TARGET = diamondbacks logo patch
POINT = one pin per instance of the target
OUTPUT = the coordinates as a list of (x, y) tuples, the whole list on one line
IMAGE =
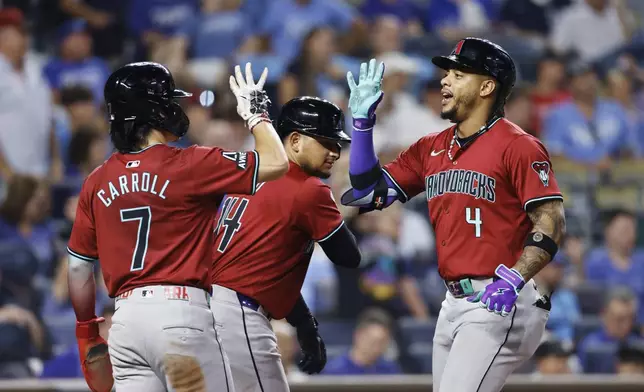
[(238, 157), (543, 171)]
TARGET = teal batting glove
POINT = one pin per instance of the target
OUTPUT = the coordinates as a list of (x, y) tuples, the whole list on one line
[(366, 95)]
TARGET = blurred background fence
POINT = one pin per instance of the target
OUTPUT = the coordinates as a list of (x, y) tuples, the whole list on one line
[(580, 90)]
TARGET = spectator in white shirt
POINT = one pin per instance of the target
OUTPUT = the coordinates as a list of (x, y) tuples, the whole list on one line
[(27, 142), (592, 29), (402, 119)]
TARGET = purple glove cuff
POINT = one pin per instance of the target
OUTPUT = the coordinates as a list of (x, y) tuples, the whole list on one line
[(511, 276), (364, 124)]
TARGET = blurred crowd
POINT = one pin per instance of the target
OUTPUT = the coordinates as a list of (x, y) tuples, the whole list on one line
[(581, 66)]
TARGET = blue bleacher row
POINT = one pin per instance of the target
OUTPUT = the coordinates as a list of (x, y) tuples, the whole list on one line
[(418, 334)]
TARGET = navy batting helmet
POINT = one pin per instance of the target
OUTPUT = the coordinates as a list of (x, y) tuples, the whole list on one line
[(481, 56), (313, 117), (142, 96)]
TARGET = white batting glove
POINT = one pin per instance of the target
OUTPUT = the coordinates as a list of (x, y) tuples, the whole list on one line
[(252, 100)]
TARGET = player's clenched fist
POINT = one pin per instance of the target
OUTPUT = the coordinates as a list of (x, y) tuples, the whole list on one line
[(252, 100), (499, 296), (366, 95), (94, 356)]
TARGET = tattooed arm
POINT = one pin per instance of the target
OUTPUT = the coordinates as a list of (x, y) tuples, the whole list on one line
[(548, 218)]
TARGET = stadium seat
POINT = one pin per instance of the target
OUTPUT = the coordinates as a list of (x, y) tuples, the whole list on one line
[(417, 331), (585, 326), (591, 297), (337, 332), (600, 358), (333, 351), (608, 197), (627, 171), (422, 353), (569, 172)]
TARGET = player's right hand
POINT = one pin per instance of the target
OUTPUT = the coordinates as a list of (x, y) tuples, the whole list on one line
[(366, 95), (313, 347), (94, 356), (252, 100)]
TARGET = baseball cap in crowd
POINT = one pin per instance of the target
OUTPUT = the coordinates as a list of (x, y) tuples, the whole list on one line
[(12, 17), (579, 67), (71, 27), (551, 348)]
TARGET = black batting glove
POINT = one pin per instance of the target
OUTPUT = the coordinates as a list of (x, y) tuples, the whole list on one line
[(311, 343), (313, 348)]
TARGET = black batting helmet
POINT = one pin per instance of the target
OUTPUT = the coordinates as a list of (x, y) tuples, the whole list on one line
[(314, 117), (142, 96), (481, 56)]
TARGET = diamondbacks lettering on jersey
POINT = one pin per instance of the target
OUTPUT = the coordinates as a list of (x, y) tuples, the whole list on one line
[(467, 182), (134, 182)]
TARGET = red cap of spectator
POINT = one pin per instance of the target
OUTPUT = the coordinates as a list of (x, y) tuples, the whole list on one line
[(12, 17)]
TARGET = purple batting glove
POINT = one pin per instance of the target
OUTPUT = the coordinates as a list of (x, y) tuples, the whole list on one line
[(500, 296)]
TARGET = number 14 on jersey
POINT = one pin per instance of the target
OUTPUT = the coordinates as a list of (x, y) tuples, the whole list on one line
[(473, 217)]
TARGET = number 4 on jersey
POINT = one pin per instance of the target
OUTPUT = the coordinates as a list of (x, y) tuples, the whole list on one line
[(476, 220), (230, 221)]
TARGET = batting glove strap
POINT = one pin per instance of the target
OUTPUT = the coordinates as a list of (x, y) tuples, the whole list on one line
[(511, 276), (257, 110), (88, 329)]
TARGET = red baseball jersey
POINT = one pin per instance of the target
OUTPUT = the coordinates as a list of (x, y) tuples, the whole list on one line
[(477, 202), (264, 243), (147, 216)]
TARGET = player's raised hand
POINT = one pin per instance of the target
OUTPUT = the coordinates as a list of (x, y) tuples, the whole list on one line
[(366, 95), (252, 100), (501, 295)]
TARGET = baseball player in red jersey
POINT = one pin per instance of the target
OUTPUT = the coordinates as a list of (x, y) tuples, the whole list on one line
[(146, 214), (495, 206), (264, 244)]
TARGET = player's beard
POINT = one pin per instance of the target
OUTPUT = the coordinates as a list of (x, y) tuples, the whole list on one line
[(464, 103), (314, 172)]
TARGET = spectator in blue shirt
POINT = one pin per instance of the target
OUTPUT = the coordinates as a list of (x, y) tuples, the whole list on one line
[(565, 310), (407, 11), (287, 22), (454, 20), (588, 129), (618, 262), (370, 342), (598, 350), (152, 22), (208, 39), (75, 64)]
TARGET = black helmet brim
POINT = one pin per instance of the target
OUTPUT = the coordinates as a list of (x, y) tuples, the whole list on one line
[(458, 62), (178, 93), (339, 136)]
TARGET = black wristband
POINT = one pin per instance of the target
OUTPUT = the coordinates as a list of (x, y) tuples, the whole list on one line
[(542, 241), (299, 314), (366, 179)]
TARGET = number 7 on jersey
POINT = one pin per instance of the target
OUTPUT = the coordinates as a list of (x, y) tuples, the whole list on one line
[(474, 220)]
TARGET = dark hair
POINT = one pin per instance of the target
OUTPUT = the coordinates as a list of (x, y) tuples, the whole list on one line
[(74, 94), (79, 145), (631, 352), (374, 316), (127, 136), (610, 215), (20, 190)]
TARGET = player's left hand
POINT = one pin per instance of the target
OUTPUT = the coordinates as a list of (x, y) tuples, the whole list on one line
[(94, 356), (313, 348), (500, 296)]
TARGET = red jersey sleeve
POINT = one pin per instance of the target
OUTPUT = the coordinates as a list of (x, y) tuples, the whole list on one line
[(82, 242), (216, 171), (530, 171), (406, 171), (317, 213)]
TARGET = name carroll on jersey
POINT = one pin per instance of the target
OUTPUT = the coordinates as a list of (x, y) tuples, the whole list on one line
[(134, 182), (467, 182)]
